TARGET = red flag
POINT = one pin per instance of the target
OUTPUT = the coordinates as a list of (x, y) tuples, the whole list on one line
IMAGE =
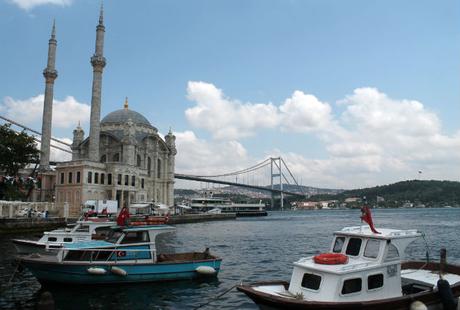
[(367, 217), (122, 217)]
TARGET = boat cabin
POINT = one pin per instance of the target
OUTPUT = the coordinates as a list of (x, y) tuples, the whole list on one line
[(122, 244), (369, 267), (82, 230)]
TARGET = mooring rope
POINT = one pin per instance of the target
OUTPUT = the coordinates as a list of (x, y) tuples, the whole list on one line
[(218, 296)]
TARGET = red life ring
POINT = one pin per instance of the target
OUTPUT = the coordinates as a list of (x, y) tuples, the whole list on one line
[(121, 253), (331, 259)]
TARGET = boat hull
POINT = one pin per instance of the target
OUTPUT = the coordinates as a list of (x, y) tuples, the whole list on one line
[(28, 247), (271, 301), (67, 273)]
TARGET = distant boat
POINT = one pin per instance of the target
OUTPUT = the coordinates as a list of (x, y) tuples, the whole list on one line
[(129, 255), (205, 204)]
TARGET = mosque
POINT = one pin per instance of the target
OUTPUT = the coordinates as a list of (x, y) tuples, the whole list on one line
[(123, 158)]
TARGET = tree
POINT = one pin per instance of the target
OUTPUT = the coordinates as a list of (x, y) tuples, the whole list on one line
[(17, 149)]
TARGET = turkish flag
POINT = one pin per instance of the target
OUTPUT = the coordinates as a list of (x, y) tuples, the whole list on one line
[(367, 217)]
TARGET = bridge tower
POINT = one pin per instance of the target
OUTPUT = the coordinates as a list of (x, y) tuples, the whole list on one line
[(276, 174)]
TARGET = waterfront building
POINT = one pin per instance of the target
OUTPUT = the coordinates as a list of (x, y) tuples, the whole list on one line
[(123, 158)]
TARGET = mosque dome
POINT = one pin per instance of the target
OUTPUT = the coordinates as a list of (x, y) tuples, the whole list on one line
[(116, 121), (123, 115)]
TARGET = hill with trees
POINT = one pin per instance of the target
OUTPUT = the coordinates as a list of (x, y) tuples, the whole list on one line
[(430, 193)]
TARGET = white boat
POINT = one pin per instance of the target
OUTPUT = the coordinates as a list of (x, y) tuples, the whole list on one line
[(84, 230), (205, 204), (364, 269)]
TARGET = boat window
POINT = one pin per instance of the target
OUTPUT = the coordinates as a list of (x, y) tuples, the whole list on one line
[(392, 253), (353, 247), (78, 255), (114, 236), (52, 239), (311, 281), (102, 255), (374, 281), (338, 244), (67, 239), (101, 232), (372, 248), (351, 286), (135, 237)]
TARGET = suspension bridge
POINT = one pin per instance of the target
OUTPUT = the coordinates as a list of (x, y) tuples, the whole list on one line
[(271, 175)]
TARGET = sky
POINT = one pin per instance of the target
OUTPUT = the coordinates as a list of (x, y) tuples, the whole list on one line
[(350, 94)]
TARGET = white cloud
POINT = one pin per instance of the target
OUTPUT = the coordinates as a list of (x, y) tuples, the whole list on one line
[(304, 113), (197, 156), (30, 4), (228, 118), (225, 118), (56, 154), (66, 113)]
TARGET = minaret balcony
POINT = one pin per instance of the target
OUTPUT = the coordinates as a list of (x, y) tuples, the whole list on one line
[(50, 74), (98, 61)]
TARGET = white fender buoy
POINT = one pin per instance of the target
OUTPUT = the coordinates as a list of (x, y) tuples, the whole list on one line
[(205, 270), (96, 270), (118, 271), (418, 305)]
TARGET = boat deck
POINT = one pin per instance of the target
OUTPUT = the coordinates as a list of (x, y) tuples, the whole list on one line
[(427, 277)]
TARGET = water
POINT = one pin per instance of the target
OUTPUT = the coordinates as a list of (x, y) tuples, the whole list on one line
[(253, 249)]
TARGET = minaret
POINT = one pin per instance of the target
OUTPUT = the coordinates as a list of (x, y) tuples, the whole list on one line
[(98, 63), (50, 75), (78, 136), (170, 140)]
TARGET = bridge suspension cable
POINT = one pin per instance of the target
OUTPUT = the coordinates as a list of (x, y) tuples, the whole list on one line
[(250, 169), (32, 130)]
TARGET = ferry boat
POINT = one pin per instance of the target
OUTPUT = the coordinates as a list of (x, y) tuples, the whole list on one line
[(129, 255), (364, 269), (209, 204), (83, 230)]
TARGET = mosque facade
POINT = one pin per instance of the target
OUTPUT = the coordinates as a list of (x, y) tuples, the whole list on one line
[(123, 158)]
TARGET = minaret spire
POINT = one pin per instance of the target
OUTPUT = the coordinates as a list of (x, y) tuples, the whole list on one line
[(101, 14), (50, 75), (98, 63)]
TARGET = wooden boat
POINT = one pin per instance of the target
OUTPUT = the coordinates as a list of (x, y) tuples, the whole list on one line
[(374, 276), (129, 255)]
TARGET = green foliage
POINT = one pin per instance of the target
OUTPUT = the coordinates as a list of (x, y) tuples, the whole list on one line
[(431, 193), (16, 150)]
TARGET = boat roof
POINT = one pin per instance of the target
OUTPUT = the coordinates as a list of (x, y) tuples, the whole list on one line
[(384, 233), (88, 244), (353, 265), (149, 227)]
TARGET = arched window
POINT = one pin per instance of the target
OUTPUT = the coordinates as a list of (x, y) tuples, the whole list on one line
[(149, 165), (103, 158), (138, 160), (116, 157), (159, 169)]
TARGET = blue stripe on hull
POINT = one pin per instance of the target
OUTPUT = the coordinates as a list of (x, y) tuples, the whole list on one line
[(78, 274)]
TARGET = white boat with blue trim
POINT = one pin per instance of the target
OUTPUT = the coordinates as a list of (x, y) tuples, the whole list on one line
[(128, 255)]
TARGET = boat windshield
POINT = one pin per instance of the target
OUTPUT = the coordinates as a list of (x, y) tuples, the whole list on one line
[(338, 244), (114, 236)]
